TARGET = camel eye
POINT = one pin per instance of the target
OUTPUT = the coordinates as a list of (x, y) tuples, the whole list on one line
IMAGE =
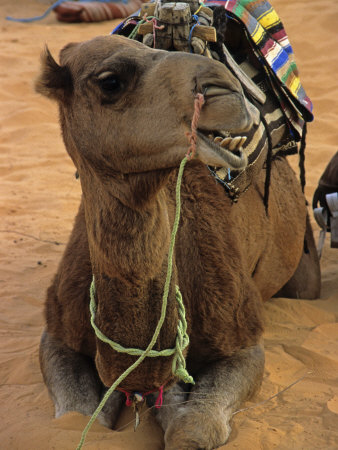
[(109, 83)]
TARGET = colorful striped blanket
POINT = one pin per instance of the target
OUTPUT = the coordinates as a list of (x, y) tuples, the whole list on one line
[(268, 35), (267, 58)]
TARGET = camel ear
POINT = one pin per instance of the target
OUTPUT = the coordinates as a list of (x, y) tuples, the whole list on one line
[(54, 81)]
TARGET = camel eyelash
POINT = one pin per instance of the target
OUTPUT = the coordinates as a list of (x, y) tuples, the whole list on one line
[(104, 75)]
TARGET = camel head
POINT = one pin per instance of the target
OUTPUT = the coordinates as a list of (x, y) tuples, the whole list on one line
[(126, 108)]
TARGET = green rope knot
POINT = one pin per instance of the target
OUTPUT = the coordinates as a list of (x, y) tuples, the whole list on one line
[(182, 341), (183, 375)]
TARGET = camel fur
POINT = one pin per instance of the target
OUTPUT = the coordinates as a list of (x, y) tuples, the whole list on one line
[(125, 110)]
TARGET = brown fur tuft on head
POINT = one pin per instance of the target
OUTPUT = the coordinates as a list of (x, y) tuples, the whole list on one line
[(54, 81)]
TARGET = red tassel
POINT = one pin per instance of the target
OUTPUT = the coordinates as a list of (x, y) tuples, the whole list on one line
[(128, 395), (159, 400)]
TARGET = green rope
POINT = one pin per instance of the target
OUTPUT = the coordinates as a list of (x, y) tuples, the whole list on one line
[(182, 339), (134, 33), (114, 345)]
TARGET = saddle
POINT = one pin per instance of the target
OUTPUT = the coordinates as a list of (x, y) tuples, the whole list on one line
[(249, 38)]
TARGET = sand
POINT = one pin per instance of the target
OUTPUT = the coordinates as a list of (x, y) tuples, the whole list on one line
[(39, 198)]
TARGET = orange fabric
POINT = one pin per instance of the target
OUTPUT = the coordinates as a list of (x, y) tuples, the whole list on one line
[(95, 11)]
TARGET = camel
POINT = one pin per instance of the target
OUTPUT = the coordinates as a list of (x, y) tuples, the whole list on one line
[(124, 111)]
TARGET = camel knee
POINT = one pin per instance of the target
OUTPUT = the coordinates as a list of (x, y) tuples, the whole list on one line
[(73, 382)]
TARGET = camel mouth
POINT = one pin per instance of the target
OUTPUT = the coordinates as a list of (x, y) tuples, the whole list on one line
[(223, 145), (224, 140)]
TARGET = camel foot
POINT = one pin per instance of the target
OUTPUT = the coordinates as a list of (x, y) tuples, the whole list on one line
[(200, 419), (198, 431)]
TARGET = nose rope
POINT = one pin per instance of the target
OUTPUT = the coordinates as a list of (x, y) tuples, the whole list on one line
[(192, 135)]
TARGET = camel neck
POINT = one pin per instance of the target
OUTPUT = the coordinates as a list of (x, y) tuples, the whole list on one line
[(129, 253), (128, 226)]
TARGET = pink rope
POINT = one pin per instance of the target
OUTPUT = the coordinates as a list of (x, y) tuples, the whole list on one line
[(192, 135), (159, 400), (155, 27)]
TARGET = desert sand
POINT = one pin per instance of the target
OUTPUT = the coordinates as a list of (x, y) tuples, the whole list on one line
[(39, 199)]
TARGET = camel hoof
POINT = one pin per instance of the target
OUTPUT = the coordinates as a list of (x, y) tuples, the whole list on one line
[(192, 430)]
